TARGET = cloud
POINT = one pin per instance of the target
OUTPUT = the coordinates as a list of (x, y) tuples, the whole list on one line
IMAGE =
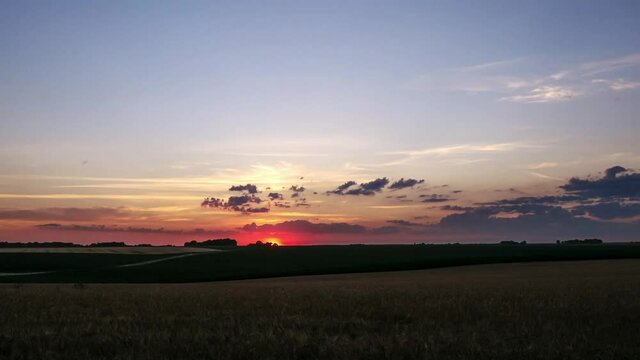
[(367, 188), (433, 198), (240, 203), (304, 226), (529, 200), (609, 65), (617, 182), (402, 183), (128, 229), (552, 223), (275, 196), (250, 188), (609, 210), (404, 223), (297, 189), (340, 189), (64, 214), (564, 84), (488, 65), (456, 208), (618, 84), (543, 94), (542, 165), (458, 149)]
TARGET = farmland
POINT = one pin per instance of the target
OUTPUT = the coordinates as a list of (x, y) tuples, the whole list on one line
[(255, 262), (550, 310)]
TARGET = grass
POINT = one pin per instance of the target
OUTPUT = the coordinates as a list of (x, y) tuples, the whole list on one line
[(552, 310), (247, 263), (25, 262)]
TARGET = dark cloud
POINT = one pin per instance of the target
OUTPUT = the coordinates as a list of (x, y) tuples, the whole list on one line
[(532, 200), (456, 208), (64, 214), (368, 188), (304, 226), (240, 203), (403, 223), (297, 189), (275, 196), (402, 183), (282, 205), (609, 210), (340, 189), (612, 185), (434, 198), (611, 172), (250, 188), (255, 210), (375, 185), (242, 200), (552, 223)]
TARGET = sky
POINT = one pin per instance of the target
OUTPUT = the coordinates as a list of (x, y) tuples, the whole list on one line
[(319, 122)]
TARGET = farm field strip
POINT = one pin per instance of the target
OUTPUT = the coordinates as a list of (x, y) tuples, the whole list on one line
[(248, 263)]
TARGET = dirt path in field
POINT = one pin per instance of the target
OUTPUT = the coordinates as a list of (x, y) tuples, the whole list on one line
[(25, 273), (142, 263)]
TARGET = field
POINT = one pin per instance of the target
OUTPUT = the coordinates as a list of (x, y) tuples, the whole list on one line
[(254, 262), (550, 310)]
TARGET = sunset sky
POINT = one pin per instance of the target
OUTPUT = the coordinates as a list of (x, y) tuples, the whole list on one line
[(319, 122)]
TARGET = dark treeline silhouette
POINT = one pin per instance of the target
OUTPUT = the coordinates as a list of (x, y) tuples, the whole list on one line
[(108, 244), (226, 242), (263, 244), (579, 241), (511, 242)]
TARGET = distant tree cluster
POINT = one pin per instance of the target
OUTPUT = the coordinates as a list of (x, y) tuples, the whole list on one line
[(511, 242), (579, 241), (263, 244), (108, 244), (226, 242)]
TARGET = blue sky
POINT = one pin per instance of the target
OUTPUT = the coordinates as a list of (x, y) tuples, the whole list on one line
[(481, 95)]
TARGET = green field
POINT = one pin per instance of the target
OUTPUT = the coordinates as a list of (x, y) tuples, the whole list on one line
[(255, 262), (551, 310)]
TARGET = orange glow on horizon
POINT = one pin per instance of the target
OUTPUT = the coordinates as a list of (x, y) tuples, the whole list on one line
[(274, 240)]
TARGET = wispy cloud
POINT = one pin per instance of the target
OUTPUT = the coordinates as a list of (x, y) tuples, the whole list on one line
[(567, 83), (543, 176), (543, 94), (618, 84), (452, 150), (609, 65), (542, 165), (488, 65)]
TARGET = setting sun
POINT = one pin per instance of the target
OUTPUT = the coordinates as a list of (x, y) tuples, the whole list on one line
[(273, 240)]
